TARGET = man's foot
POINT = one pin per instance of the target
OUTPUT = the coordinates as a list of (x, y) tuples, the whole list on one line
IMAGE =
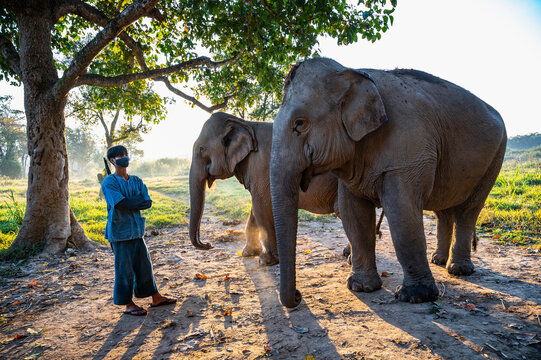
[(159, 300)]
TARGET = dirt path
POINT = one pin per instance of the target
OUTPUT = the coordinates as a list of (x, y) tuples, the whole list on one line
[(235, 313)]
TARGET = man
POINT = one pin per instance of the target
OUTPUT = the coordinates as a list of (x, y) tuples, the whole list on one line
[(126, 195)]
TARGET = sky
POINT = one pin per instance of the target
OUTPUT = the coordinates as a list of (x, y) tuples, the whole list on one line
[(490, 47)]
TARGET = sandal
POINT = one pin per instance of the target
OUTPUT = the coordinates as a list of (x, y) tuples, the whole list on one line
[(136, 312), (165, 302)]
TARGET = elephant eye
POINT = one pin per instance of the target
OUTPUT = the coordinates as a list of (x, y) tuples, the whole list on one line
[(201, 149), (300, 125)]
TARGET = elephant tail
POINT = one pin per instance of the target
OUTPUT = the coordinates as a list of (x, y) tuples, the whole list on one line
[(378, 232)]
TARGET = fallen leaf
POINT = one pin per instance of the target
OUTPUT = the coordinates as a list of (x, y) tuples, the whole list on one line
[(22, 336), (16, 303), (33, 356), (309, 357), (226, 278), (228, 312), (3, 320), (496, 237), (201, 276), (246, 351), (166, 278), (189, 313), (384, 274), (267, 348), (34, 332), (470, 306), (32, 283), (308, 252), (239, 253)]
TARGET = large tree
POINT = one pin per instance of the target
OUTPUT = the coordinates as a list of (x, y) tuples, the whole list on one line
[(222, 50)]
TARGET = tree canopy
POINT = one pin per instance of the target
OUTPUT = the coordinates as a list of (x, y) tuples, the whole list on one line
[(227, 51)]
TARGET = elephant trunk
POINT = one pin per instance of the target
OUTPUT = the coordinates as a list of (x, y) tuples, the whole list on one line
[(198, 180), (285, 197)]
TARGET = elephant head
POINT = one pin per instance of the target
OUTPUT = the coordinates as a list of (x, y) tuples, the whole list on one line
[(325, 110), (223, 143)]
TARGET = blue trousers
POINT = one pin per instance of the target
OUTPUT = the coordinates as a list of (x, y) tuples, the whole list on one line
[(133, 271)]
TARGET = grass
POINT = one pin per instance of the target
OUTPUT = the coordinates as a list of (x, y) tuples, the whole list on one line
[(512, 213), (230, 199), (89, 208)]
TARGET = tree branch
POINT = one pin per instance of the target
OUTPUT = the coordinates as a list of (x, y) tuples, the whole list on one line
[(112, 29), (176, 91), (10, 54), (104, 124), (93, 15), (110, 81), (115, 119)]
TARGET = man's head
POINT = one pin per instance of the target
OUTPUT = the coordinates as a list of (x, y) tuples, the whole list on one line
[(118, 152)]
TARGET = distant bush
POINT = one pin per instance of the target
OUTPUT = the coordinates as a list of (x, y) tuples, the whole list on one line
[(161, 167), (11, 168), (522, 142)]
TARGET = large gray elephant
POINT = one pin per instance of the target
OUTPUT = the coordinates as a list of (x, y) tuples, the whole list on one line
[(229, 146), (402, 139)]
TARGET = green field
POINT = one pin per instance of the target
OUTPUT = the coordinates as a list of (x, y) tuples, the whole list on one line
[(512, 213)]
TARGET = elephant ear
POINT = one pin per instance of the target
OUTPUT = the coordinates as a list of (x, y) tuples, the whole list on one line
[(361, 104), (239, 140)]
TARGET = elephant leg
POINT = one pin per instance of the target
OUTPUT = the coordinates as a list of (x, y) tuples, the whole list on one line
[(267, 234), (444, 236), (459, 262), (253, 246), (403, 209), (359, 221)]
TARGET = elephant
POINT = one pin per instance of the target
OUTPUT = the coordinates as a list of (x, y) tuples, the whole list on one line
[(229, 146), (401, 139)]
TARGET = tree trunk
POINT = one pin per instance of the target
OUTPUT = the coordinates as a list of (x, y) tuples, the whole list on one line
[(48, 220)]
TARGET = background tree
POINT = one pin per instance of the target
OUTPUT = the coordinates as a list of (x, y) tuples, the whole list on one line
[(85, 156), (55, 46), (12, 140), (124, 113)]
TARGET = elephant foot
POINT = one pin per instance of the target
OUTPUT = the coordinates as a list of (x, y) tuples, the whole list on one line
[(347, 251), (460, 268), (439, 259), (365, 283), (417, 293), (267, 259), (250, 251)]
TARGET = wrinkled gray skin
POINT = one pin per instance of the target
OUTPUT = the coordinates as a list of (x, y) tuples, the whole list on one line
[(406, 141), (229, 146)]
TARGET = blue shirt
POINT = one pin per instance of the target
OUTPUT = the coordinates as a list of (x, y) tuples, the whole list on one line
[(123, 224)]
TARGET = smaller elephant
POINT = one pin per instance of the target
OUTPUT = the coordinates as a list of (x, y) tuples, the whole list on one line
[(229, 146)]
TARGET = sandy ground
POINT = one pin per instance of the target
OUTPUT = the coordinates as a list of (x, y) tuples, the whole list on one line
[(62, 308)]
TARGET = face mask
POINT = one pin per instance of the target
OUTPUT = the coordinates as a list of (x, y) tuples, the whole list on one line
[(123, 162)]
